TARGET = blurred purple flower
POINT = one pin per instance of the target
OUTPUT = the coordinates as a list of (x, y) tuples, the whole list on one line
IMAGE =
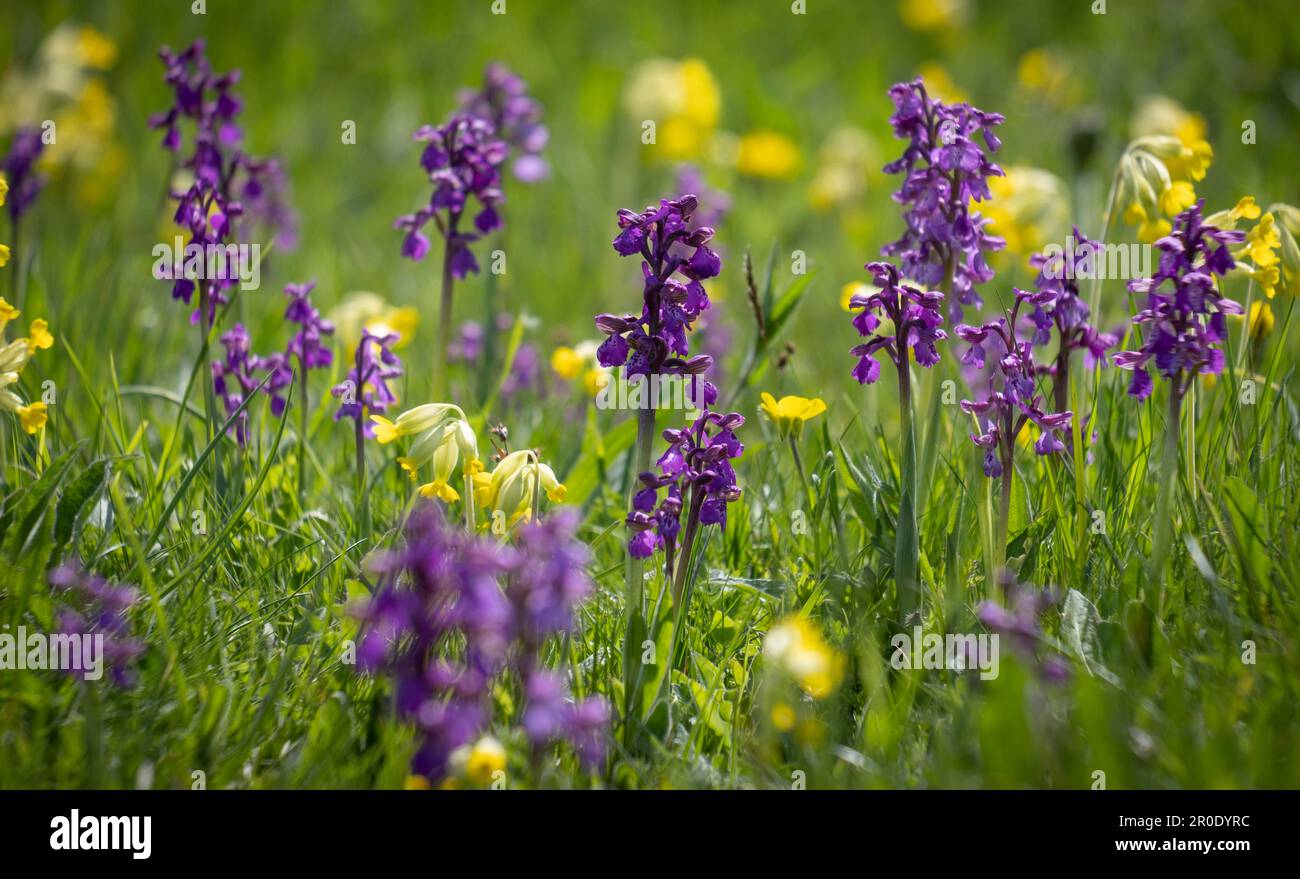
[(306, 346), (233, 378), (365, 391), (19, 167), (515, 116), (91, 605), (1020, 622)]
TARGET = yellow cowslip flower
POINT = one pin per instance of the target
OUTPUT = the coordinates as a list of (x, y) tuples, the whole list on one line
[(32, 417), (511, 488), (1029, 208), (1150, 229), (1262, 243), (682, 99), (1261, 320), (791, 413), (39, 336), (932, 15), (767, 154), (4, 188), (372, 312), (796, 646), (1177, 198), (95, 49), (443, 437), (845, 162), (1245, 209), (477, 764)]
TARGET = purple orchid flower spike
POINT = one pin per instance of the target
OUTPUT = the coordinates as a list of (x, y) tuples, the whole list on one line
[(946, 166), (515, 116), (914, 319)]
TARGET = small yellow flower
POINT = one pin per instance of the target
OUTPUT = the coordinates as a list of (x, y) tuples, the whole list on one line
[(95, 49), (4, 251), (443, 437), (567, 363), (682, 99), (1263, 242), (7, 312), (486, 758), (369, 310), (783, 717), (791, 413), (39, 336), (767, 154), (797, 647), (1177, 198), (1041, 72), (595, 380), (4, 188), (33, 417), (930, 15), (1261, 320), (416, 782)]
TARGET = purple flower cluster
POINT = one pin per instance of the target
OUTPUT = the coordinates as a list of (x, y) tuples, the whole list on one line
[(515, 116), (697, 472), (1058, 274), (1020, 624), (264, 194), (915, 317), (673, 295), (94, 606), (1186, 317), (365, 391), (19, 168), (233, 377), (1011, 398), (462, 159), (231, 193), (945, 169), (307, 346), (501, 603)]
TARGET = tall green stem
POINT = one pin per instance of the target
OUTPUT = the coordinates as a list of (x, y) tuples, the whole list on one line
[(302, 435), (635, 629), (441, 365), (906, 547), (1164, 502)]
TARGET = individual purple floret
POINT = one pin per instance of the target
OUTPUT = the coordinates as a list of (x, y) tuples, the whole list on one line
[(1185, 317), (19, 168), (365, 391), (945, 169), (462, 159), (93, 606), (914, 315), (515, 116), (233, 378), (654, 342), (500, 603), (1059, 274)]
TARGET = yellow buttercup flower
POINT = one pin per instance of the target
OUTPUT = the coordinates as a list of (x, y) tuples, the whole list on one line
[(796, 646), (767, 154), (791, 413), (783, 716), (567, 363)]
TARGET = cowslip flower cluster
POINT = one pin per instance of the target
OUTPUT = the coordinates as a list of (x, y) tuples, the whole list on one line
[(19, 167), (365, 391), (307, 345), (1185, 315), (914, 318), (945, 169), (233, 378), (443, 438), (512, 489), (14, 357), (1066, 312), (1011, 398), (93, 606), (654, 342), (515, 116), (502, 602), (697, 472), (462, 159)]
